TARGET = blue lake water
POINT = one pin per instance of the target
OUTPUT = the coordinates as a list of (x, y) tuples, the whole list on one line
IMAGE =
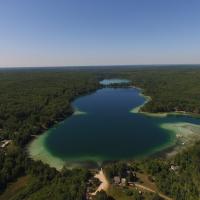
[(104, 129)]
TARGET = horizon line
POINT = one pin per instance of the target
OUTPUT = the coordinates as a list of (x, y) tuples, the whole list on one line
[(109, 65)]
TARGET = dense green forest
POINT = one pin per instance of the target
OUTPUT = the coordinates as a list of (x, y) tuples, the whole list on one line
[(183, 183), (31, 101)]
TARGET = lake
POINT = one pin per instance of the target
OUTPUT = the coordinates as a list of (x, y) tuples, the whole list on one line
[(107, 82), (103, 128)]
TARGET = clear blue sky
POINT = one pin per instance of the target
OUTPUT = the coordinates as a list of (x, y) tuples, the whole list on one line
[(99, 32)]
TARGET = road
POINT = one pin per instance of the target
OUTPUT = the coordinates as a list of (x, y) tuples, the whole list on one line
[(153, 191)]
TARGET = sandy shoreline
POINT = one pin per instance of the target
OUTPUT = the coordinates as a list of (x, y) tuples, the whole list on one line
[(158, 114), (186, 133), (137, 110), (37, 151), (79, 112)]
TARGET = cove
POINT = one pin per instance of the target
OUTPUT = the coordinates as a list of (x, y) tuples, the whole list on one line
[(103, 128)]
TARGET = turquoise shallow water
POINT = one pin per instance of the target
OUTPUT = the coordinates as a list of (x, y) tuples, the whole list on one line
[(105, 129)]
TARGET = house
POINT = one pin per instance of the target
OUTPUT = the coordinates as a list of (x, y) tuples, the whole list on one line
[(116, 180), (174, 167), (123, 181)]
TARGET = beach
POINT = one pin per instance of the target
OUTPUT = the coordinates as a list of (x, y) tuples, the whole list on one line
[(186, 135), (38, 151)]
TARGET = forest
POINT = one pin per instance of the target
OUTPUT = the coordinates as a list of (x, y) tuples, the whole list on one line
[(170, 88), (180, 183), (31, 101)]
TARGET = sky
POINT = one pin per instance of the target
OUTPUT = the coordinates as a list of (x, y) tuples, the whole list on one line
[(99, 32)]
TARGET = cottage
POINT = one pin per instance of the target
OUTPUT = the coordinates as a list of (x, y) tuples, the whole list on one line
[(174, 167), (116, 180), (123, 181)]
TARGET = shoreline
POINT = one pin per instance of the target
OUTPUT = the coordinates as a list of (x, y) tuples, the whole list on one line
[(37, 151), (49, 158), (186, 134), (147, 99), (78, 112), (158, 114)]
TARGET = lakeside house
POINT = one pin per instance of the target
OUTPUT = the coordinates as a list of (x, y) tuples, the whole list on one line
[(123, 181), (174, 167), (120, 181), (117, 180), (128, 179)]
